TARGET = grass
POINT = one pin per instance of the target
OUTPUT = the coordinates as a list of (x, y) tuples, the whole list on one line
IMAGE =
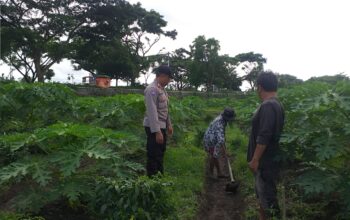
[(184, 167), (237, 143), (14, 216)]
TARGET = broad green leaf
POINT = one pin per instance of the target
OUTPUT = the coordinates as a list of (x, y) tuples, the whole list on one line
[(41, 175), (14, 170)]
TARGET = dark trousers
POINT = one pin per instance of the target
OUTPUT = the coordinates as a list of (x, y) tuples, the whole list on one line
[(266, 190), (155, 152)]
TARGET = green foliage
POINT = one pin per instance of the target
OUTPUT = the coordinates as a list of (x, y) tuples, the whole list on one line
[(61, 158), (285, 80), (15, 216), (26, 107), (70, 153), (110, 58), (185, 117), (184, 167), (106, 36), (208, 68), (32, 44), (180, 63), (315, 148), (330, 79), (252, 63), (142, 198), (117, 112), (316, 140)]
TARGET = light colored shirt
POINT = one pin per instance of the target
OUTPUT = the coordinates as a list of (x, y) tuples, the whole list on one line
[(214, 137), (157, 111)]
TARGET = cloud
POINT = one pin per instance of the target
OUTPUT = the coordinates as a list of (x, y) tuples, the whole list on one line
[(301, 38), (64, 69)]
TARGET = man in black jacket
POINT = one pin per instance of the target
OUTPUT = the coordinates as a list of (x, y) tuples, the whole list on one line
[(267, 126)]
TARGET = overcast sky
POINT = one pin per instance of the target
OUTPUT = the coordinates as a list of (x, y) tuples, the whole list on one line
[(304, 38)]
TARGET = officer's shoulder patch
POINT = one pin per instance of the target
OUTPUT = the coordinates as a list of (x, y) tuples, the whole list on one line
[(153, 91)]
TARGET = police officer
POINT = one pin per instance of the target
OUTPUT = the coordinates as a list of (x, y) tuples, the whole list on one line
[(157, 121)]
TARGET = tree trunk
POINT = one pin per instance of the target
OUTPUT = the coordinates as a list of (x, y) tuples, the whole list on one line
[(39, 71), (27, 79), (133, 81)]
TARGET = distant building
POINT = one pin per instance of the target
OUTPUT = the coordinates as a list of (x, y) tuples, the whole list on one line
[(89, 80)]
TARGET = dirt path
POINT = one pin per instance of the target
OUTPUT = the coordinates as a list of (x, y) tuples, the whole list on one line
[(216, 204)]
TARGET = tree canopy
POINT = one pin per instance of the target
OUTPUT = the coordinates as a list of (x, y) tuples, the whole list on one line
[(285, 80), (114, 38), (208, 68), (98, 36), (330, 79)]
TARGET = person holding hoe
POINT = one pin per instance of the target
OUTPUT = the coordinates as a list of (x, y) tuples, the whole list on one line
[(214, 141)]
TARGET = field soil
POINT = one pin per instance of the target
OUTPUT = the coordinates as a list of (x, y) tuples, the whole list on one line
[(216, 204)]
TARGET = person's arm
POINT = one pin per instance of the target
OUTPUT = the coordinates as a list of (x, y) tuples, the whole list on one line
[(267, 119), (168, 121), (151, 95), (254, 163), (169, 126)]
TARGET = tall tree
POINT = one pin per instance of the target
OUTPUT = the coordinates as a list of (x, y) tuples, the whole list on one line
[(105, 58), (37, 34), (129, 42), (142, 35), (179, 61), (285, 80), (252, 63), (231, 79), (205, 66), (330, 79), (210, 69), (97, 48)]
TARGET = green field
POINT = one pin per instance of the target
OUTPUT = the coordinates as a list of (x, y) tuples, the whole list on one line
[(86, 155)]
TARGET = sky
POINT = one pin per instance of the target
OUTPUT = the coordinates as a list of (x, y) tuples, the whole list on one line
[(303, 38)]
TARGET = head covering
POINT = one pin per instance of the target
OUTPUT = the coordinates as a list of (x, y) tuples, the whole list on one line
[(228, 114)]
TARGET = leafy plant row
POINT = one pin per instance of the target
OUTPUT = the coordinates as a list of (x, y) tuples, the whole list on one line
[(58, 147)]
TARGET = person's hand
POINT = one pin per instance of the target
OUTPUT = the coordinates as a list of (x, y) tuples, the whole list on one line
[(159, 137), (170, 130), (253, 165)]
